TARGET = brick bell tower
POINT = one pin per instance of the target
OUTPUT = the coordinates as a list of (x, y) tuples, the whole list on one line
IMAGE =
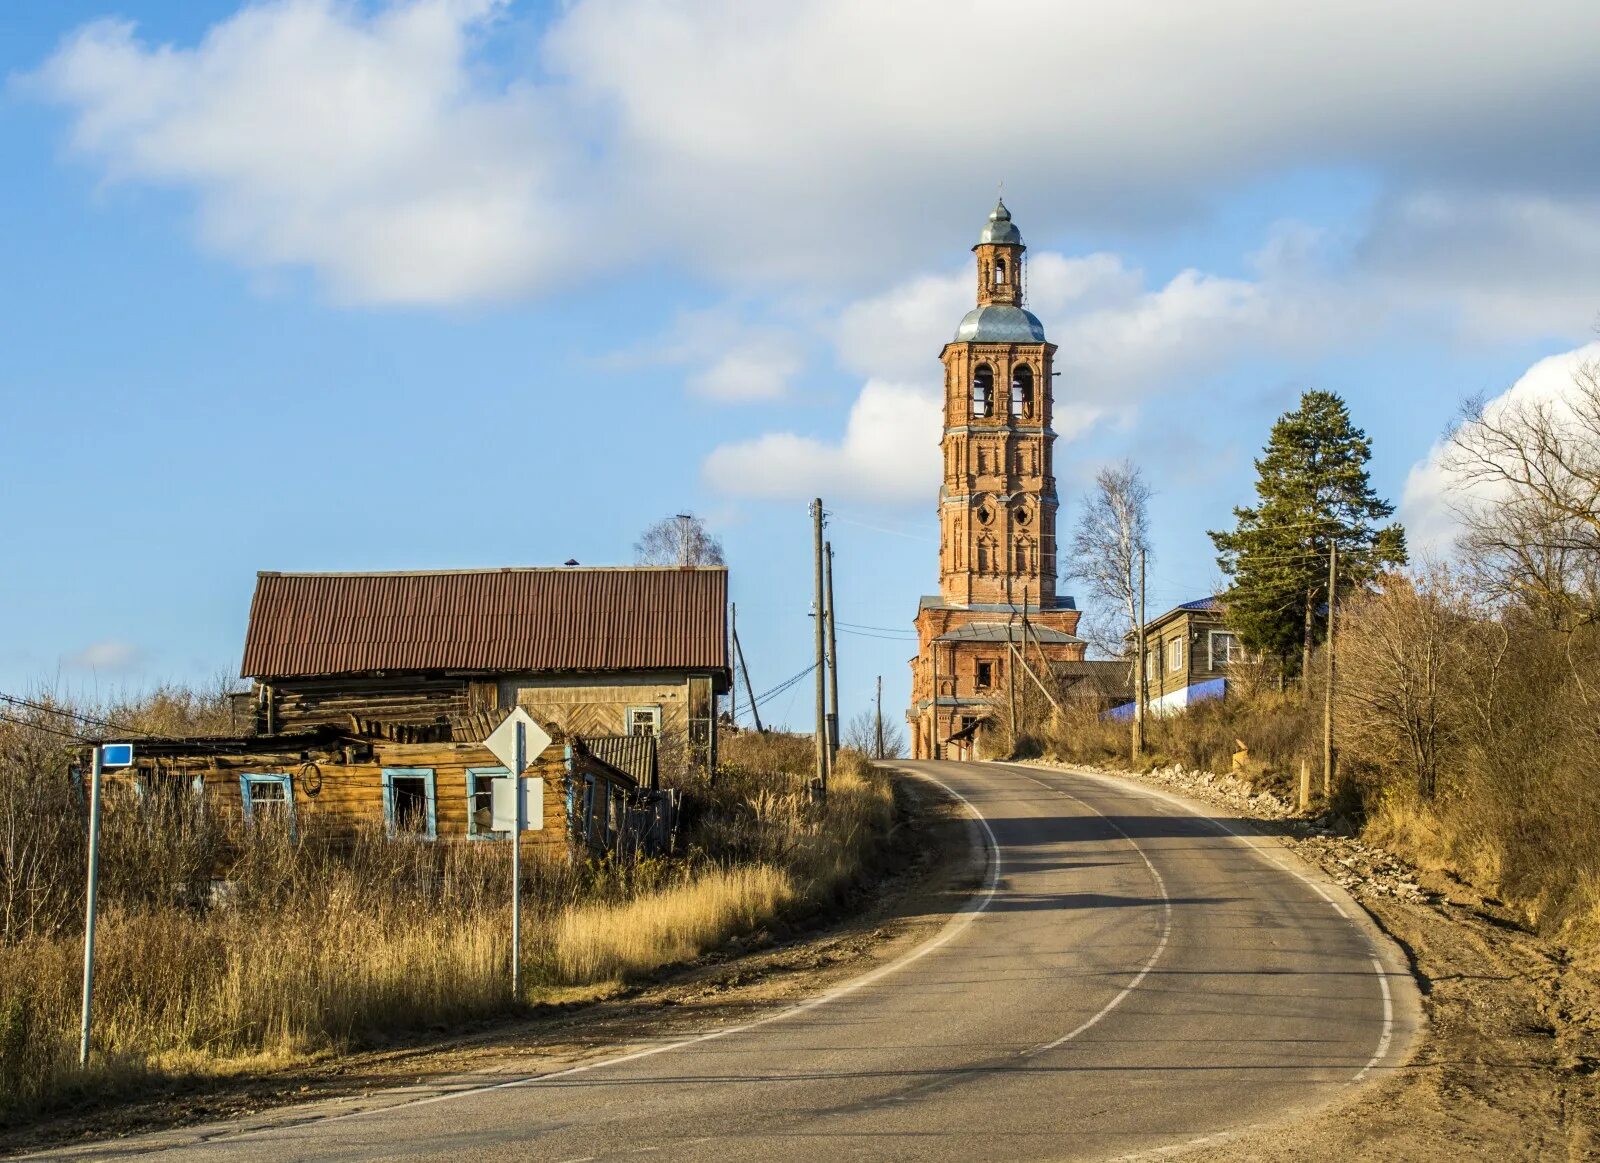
[(997, 513)]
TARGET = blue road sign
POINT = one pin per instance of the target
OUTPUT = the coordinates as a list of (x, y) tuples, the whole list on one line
[(116, 755)]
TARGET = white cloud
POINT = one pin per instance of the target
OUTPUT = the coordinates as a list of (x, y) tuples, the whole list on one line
[(1120, 341), (1433, 494), (756, 368), (725, 357), (109, 654), (313, 135), (890, 451), (393, 152), (1513, 264)]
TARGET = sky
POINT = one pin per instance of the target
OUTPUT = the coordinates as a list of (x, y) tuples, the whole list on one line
[(330, 284)]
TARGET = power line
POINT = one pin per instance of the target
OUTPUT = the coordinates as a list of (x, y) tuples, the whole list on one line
[(65, 714), (4, 718), (884, 637), (886, 629)]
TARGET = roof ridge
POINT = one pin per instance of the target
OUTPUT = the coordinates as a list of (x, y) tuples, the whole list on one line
[(490, 570)]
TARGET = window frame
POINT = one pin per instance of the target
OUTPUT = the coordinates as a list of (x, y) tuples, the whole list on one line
[(431, 782), (980, 680), (655, 710), (283, 779), (474, 774), (1235, 654), (1175, 659)]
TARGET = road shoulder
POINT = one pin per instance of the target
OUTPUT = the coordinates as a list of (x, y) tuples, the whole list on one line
[(934, 865), (1506, 1058)]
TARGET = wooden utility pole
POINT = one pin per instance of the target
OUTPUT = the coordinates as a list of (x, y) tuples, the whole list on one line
[(933, 655), (877, 734), (744, 667), (822, 657), (1327, 698), (833, 663), (1011, 683), (1140, 690)]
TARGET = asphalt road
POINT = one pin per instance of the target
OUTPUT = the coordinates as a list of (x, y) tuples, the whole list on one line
[(1134, 975)]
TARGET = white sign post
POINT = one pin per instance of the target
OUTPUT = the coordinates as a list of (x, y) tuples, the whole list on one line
[(105, 755), (512, 742)]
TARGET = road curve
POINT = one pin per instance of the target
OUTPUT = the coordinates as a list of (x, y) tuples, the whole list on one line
[(1137, 974)]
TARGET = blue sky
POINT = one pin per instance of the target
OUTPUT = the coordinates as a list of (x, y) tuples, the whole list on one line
[(447, 283)]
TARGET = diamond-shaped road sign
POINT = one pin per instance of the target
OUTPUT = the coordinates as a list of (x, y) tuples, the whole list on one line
[(503, 740)]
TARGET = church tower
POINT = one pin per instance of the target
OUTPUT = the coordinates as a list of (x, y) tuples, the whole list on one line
[(997, 613), (997, 510)]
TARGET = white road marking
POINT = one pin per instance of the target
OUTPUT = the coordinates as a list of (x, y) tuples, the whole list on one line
[(1386, 1033), (1161, 945), (1388, 1021), (952, 928)]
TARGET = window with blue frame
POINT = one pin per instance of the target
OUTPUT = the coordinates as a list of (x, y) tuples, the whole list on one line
[(409, 807), (480, 801), (268, 799)]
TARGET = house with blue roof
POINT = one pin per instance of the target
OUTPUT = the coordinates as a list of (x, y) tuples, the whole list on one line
[(1187, 653)]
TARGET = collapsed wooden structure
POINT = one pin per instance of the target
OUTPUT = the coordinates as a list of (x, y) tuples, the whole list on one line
[(334, 780)]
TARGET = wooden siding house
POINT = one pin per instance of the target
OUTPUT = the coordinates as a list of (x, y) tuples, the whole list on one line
[(588, 651), (373, 693), (1186, 655)]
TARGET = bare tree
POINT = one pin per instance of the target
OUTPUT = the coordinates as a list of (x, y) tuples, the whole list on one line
[(1112, 532), (1531, 499), (679, 540), (862, 735), (1413, 655)]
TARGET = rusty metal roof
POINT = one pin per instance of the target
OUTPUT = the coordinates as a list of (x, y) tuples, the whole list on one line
[(493, 620)]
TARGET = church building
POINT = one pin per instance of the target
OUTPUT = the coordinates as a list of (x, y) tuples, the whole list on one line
[(996, 619)]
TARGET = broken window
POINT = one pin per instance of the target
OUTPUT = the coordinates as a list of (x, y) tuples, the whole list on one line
[(1000, 272), (985, 678), (268, 800), (408, 804), (480, 801), (982, 391), (644, 720)]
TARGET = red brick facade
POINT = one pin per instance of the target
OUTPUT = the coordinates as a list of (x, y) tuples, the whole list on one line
[(997, 512)]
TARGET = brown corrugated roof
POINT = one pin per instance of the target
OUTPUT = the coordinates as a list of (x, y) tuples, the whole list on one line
[(500, 620)]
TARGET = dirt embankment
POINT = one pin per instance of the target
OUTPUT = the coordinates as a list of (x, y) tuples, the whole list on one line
[(1508, 1066), (926, 873)]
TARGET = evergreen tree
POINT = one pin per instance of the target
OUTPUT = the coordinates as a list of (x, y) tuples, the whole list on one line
[(1313, 492)]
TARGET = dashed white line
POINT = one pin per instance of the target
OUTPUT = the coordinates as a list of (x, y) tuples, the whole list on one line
[(1161, 945), (1386, 1033)]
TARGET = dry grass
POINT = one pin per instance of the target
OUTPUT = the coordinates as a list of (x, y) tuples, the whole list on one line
[(316, 944), (617, 942), (1468, 744)]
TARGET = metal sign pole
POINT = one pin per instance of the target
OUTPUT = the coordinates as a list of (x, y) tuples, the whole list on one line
[(516, 867), (88, 907)]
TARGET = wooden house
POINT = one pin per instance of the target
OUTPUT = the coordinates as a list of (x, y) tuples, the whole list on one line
[(591, 652), (1186, 655), (333, 782)]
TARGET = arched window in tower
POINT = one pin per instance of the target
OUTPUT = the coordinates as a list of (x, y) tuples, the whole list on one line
[(982, 391), (999, 272), (1022, 393)]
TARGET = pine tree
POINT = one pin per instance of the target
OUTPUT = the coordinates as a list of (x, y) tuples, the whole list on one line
[(1313, 491)]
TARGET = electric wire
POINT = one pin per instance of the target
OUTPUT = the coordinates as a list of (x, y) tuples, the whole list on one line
[(4, 718), (66, 714)]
